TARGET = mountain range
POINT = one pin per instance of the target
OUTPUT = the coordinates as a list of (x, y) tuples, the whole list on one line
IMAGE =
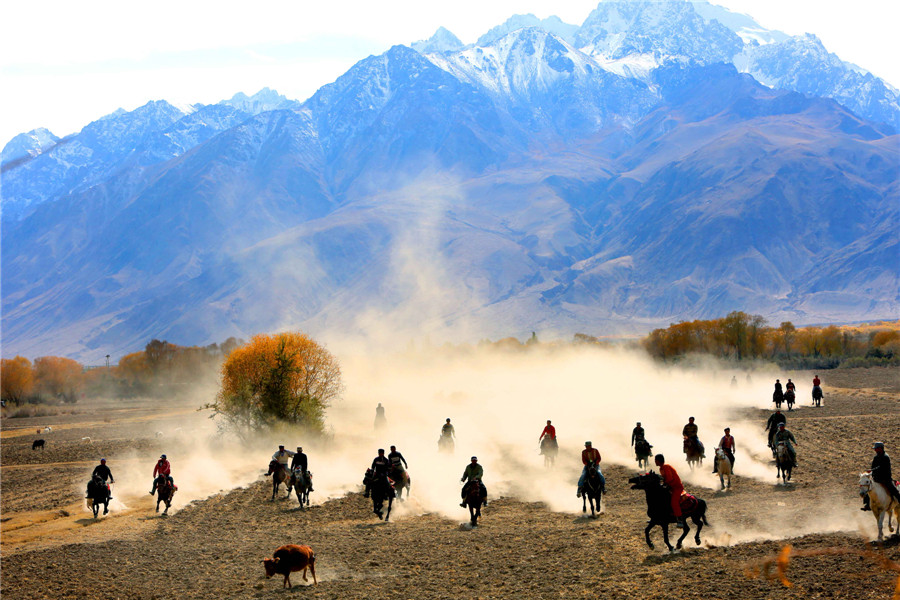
[(662, 161)]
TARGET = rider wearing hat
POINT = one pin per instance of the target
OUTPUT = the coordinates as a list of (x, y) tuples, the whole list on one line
[(473, 473), (783, 435), (589, 455), (728, 447), (300, 461), (690, 432), (881, 472), (163, 469), (447, 430)]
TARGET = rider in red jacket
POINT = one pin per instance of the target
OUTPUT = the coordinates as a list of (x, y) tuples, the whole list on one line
[(673, 481), (549, 431), (163, 469)]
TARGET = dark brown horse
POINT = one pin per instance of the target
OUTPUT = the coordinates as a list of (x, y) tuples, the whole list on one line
[(302, 484), (279, 475), (475, 496), (693, 452), (381, 488), (164, 492), (401, 481)]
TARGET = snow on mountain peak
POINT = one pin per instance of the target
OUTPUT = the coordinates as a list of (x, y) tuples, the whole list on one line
[(442, 41), (552, 24), (264, 100), (28, 144)]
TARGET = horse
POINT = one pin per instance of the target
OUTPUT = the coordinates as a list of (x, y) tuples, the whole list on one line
[(777, 398), (790, 397), (817, 396), (723, 467), (475, 498), (446, 444), (401, 481), (783, 462), (659, 509), (164, 492), (279, 475), (98, 493), (301, 484), (593, 489), (37, 444), (549, 449), (692, 452), (642, 453), (881, 502), (381, 489)]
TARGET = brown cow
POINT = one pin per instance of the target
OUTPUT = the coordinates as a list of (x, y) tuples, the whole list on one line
[(290, 558)]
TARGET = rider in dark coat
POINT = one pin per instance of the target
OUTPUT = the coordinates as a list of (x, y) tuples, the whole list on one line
[(103, 472), (637, 433), (381, 466), (772, 424), (300, 460), (397, 460), (881, 472)]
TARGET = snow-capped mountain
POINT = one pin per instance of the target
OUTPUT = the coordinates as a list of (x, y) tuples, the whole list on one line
[(441, 41), (552, 24), (522, 184), (28, 145)]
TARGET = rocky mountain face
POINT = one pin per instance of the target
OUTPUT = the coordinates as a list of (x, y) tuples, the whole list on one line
[(526, 184)]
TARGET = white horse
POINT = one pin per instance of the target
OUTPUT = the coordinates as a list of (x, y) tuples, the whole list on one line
[(880, 501), (723, 466)]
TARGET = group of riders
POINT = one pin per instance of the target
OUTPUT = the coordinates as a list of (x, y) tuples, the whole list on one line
[(102, 477), (393, 466)]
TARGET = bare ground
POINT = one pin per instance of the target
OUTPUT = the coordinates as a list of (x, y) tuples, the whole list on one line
[(212, 548)]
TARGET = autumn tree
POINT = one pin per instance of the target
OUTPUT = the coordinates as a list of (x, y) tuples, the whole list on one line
[(274, 379), (58, 377), (16, 379)]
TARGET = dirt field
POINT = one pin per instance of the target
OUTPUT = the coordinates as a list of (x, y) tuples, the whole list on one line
[(212, 548)]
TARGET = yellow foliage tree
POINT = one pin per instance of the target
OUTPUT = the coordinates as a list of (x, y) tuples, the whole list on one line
[(58, 377), (16, 379), (283, 378)]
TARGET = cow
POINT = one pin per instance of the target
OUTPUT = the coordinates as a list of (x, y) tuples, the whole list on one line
[(37, 444), (290, 558)]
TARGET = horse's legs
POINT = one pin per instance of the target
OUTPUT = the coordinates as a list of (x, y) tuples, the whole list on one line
[(388, 515), (665, 528), (650, 526), (698, 521), (686, 529)]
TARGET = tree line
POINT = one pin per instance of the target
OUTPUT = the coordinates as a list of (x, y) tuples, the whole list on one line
[(742, 336)]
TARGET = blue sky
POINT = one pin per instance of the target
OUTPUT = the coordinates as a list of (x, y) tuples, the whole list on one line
[(64, 64)]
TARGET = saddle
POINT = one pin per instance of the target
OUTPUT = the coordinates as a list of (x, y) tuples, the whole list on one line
[(688, 503)]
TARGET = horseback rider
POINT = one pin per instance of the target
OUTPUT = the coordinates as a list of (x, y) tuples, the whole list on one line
[(637, 434), (689, 431), (672, 481), (299, 461), (473, 475), (381, 465), (281, 457), (789, 386), (380, 420), (816, 381), (783, 435), (549, 431), (590, 455), (728, 447), (881, 472), (447, 430), (164, 471), (772, 424), (103, 472), (398, 463), (778, 388)]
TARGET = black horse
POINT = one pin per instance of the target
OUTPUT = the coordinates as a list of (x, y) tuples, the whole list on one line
[(549, 449), (381, 488), (474, 497), (401, 481), (817, 395), (164, 492), (659, 509), (302, 484), (642, 453), (790, 397), (777, 398), (98, 493), (593, 489)]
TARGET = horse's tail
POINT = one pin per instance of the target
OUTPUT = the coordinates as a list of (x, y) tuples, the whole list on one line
[(703, 514)]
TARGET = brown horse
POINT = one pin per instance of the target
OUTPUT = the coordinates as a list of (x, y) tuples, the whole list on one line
[(475, 498), (693, 452), (401, 480), (279, 475), (164, 492)]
